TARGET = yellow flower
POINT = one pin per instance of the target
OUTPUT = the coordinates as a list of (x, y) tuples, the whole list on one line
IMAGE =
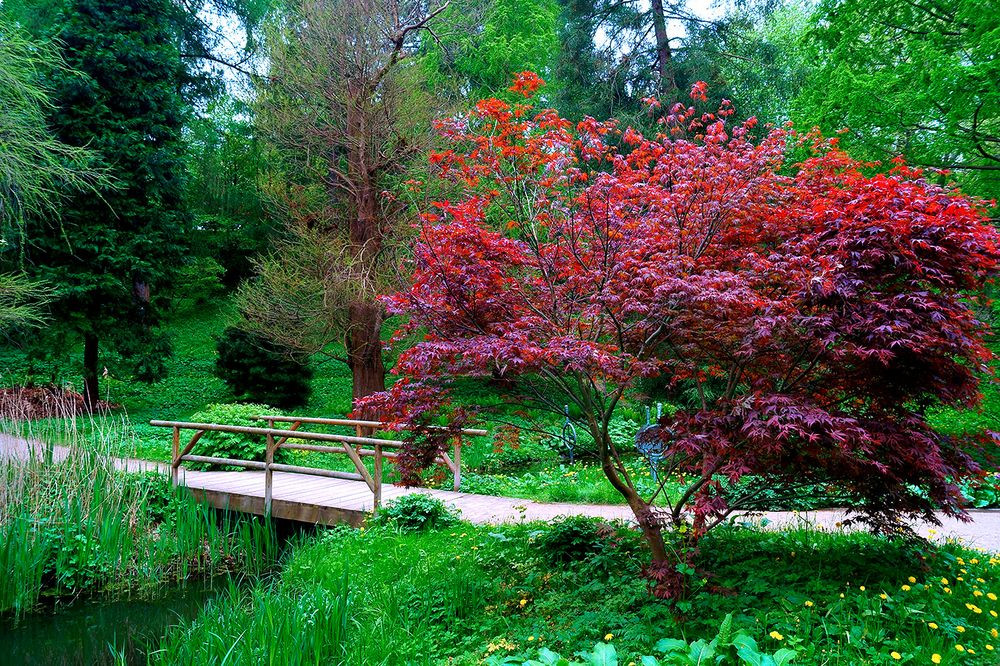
[(932, 625), (993, 613), (608, 637), (862, 588), (912, 579), (994, 633), (936, 658), (960, 629), (809, 604), (883, 596), (895, 655), (523, 602), (988, 646), (977, 593), (991, 596), (960, 648), (905, 588), (531, 638), (841, 595), (944, 581), (947, 590), (776, 636)]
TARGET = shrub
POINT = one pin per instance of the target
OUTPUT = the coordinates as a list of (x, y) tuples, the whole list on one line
[(417, 511), (576, 539), (259, 370), (234, 445)]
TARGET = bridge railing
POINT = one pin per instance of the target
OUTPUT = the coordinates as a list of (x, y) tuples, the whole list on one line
[(356, 447)]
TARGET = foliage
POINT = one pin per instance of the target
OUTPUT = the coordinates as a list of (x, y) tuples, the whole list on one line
[(910, 78), (725, 648), (233, 445), (417, 511), (37, 170), (259, 370), (115, 248), (467, 594), (512, 36), (810, 307), (576, 539)]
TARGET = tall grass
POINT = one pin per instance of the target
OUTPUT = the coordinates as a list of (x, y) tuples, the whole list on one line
[(75, 519)]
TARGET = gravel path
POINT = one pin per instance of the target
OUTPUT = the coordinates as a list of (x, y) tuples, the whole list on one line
[(982, 531)]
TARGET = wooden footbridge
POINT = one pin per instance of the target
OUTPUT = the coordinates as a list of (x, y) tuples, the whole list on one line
[(316, 494)]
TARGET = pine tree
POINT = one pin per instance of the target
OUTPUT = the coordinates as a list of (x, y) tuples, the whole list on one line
[(115, 248)]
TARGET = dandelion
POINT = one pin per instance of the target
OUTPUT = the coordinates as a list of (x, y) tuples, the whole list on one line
[(912, 579), (608, 637), (841, 595), (895, 655), (905, 588), (947, 590), (809, 604), (994, 633), (944, 581), (936, 658), (988, 647), (523, 603), (776, 636), (531, 638), (932, 625), (883, 596), (960, 648), (862, 588), (991, 596), (960, 629), (977, 593)]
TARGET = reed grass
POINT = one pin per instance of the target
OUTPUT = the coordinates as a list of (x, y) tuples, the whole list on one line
[(75, 519)]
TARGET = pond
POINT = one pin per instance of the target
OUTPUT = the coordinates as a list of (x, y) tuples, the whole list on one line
[(92, 631)]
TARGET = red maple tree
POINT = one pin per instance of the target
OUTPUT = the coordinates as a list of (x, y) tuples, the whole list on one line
[(814, 306)]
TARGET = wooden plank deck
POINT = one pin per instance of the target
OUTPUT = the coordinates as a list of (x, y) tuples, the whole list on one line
[(313, 499)]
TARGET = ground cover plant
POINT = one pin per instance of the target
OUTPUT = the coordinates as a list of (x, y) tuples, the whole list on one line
[(518, 594)]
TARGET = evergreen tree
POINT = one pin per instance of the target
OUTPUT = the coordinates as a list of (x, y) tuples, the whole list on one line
[(115, 248)]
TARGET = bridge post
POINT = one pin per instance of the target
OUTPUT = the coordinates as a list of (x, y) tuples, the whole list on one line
[(268, 472), (175, 459), (378, 477), (458, 462)]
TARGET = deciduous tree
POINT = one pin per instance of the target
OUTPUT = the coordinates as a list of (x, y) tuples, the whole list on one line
[(345, 115), (814, 310)]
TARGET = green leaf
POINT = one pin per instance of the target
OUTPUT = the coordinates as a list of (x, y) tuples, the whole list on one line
[(666, 645), (604, 654), (701, 652), (783, 656)]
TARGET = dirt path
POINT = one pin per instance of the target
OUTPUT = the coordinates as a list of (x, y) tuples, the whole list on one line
[(983, 531)]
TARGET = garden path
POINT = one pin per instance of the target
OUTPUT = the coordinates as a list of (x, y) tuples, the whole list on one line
[(317, 499)]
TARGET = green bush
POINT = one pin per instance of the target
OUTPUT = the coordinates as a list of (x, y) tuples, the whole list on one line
[(576, 539), (237, 446), (417, 511), (259, 370)]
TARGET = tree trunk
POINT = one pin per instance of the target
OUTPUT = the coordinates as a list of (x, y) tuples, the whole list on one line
[(364, 339), (91, 388), (667, 84), (364, 350)]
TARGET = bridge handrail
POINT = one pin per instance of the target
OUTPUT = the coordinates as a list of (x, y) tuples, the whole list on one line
[(277, 438), (360, 423)]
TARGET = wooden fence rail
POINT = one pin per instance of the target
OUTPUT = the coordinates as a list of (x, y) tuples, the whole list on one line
[(277, 438)]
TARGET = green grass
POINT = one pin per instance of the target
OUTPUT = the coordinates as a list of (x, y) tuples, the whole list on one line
[(459, 595)]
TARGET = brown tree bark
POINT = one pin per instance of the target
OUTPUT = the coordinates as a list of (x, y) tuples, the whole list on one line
[(364, 328), (667, 84), (91, 387)]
